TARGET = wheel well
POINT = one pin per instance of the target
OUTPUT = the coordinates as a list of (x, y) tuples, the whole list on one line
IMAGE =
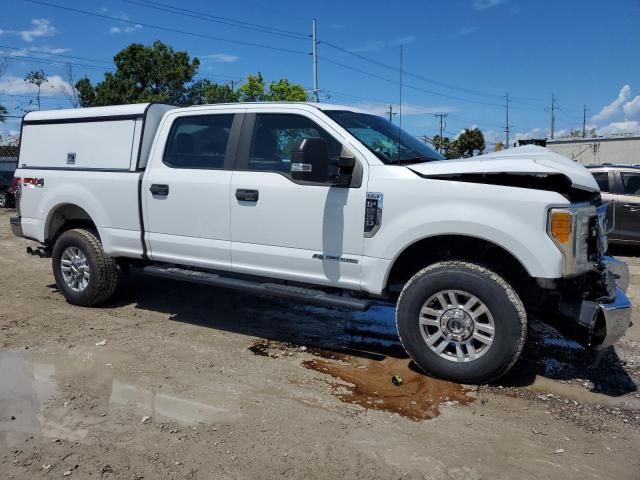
[(65, 217), (457, 247)]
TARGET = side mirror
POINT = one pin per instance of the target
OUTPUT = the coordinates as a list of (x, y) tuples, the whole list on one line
[(310, 160)]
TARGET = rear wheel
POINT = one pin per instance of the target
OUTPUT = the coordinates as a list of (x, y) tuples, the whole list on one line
[(4, 199), (461, 321), (84, 274)]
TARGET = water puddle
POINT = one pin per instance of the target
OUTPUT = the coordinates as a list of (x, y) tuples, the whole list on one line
[(368, 383), (40, 395)]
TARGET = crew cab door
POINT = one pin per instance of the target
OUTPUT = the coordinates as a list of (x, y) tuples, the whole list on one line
[(185, 189), (628, 206), (307, 232)]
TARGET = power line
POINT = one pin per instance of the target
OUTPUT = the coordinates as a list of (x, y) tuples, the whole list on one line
[(169, 29), (217, 19), (60, 62), (413, 87), (409, 74), (17, 49)]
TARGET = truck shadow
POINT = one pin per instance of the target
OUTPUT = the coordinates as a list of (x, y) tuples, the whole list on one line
[(370, 334)]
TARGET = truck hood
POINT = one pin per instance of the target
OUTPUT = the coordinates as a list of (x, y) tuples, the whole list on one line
[(528, 161)]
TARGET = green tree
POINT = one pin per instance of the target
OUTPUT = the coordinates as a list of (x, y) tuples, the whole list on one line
[(37, 78), (283, 91), (153, 73), (450, 148), (470, 142), (205, 91), (253, 89)]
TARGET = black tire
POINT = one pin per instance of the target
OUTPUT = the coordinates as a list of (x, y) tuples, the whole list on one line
[(507, 311), (103, 269), (5, 199)]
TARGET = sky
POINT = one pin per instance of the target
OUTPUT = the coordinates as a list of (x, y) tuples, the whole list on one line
[(460, 57)]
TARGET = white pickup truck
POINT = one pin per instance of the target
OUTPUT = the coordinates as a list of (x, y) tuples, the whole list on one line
[(329, 205)]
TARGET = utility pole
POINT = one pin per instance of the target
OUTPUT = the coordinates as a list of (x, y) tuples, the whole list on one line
[(391, 113), (506, 125), (441, 116), (424, 138), (400, 106), (553, 115), (315, 60), (584, 121)]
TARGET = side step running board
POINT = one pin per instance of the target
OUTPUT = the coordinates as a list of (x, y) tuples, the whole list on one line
[(317, 297)]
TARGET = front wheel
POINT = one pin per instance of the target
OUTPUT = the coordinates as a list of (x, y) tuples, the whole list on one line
[(460, 321), (84, 273), (4, 199)]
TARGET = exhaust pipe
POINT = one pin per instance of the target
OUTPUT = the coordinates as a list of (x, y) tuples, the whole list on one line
[(40, 252)]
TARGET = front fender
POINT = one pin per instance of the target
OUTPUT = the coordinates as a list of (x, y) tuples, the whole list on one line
[(512, 218)]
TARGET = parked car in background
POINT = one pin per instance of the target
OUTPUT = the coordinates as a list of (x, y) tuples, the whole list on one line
[(7, 169), (620, 185)]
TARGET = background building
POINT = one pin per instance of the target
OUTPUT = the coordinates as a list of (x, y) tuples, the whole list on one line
[(599, 149)]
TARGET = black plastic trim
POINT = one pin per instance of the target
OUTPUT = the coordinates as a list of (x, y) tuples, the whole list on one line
[(317, 297), (145, 255), (76, 169), (144, 124), (16, 225), (104, 118)]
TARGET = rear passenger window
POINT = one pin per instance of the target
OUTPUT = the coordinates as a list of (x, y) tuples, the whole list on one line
[(603, 180), (198, 141), (630, 183)]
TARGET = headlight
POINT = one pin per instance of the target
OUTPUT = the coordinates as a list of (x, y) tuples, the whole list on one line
[(571, 230)]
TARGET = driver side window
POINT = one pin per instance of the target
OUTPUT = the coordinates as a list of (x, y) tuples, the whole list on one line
[(276, 135)]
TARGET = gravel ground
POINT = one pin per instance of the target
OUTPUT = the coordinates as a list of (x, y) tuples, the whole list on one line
[(171, 380)]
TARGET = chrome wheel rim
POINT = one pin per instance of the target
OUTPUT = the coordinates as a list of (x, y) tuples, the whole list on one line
[(457, 325), (75, 269)]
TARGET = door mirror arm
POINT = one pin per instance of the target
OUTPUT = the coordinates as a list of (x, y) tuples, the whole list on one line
[(345, 166)]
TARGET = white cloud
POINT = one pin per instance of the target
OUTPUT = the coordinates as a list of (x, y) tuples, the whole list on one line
[(24, 52), (18, 86), (533, 133), (484, 4), (220, 57), (613, 108), (631, 109), (380, 44), (467, 30), (125, 29), (619, 128), (41, 28), (408, 109)]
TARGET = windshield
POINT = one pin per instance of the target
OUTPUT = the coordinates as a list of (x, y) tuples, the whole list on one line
[(383, 138)]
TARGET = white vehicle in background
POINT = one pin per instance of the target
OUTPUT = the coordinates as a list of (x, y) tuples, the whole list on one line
[(328, 205)]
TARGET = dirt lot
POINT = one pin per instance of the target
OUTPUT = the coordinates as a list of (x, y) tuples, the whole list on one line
[(180, 381)]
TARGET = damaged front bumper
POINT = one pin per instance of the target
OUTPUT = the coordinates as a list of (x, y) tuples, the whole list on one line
[(606, 318), (607, 322)]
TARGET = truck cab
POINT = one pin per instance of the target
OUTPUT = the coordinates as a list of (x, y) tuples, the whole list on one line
[(330, 205)]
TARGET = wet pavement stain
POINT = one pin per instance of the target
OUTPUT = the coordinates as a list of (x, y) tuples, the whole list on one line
[(369, 384)]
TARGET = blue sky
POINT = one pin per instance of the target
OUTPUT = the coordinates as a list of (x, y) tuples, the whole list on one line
[(460, 56)]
